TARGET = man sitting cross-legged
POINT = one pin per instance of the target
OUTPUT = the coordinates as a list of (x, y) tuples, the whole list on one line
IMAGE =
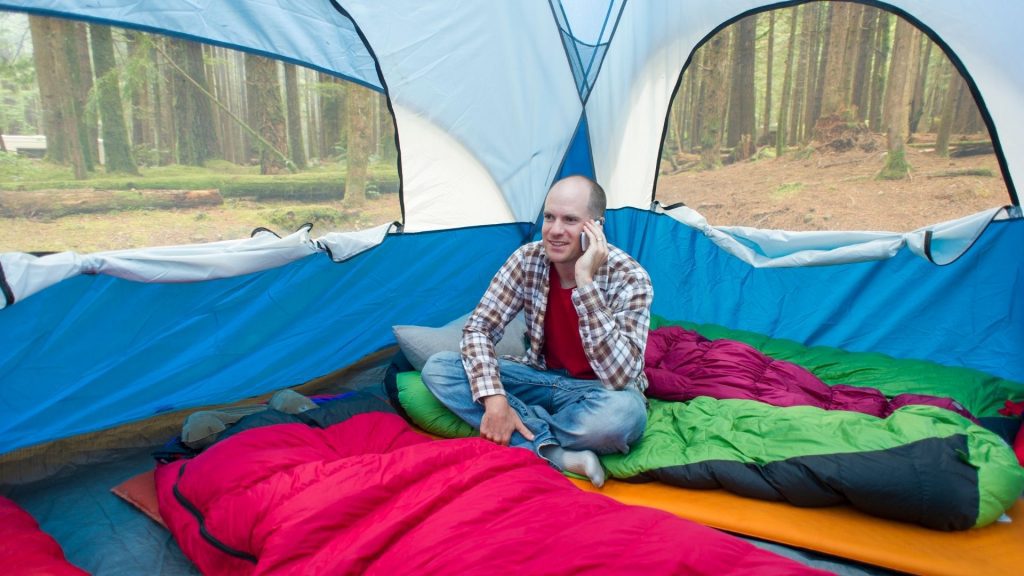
[(578, 392)]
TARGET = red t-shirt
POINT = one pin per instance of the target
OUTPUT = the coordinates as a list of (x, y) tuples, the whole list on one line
[(563, 347)]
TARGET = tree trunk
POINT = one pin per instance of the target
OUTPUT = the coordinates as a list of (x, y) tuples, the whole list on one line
[(833, 98), (897, 102), (89, 120), (968, 121), (742, 97), (696, 79), (813, 15), (46, 68), (766, 120), (332, 102), (815, 98), (73, 125), (116, 147), (865, 36), (358, 151), (193, 110), (313, 114), (58, 203), (808, 19), (141, 51), (294, 108), (714, 100), (266, 111), (682, 106), (953, 89), (787, 86), (879, 71), (917, 101), (389, 152), (167, 144)]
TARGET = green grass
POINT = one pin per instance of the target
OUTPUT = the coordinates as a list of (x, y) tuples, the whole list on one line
[(323, 182)]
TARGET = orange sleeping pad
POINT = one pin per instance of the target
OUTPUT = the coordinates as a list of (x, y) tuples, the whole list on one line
[(840, 531)]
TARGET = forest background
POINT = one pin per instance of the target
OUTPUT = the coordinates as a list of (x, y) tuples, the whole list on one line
[(825, 115)]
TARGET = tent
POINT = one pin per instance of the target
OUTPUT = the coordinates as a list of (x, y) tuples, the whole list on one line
[(493, 101)]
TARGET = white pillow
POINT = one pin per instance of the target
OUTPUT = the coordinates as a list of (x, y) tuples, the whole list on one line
[(419, 343)]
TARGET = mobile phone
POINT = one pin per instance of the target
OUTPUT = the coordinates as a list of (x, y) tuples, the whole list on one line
[(584, 242)]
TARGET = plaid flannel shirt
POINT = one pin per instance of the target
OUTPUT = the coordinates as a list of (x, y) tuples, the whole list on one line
[(614, 312)]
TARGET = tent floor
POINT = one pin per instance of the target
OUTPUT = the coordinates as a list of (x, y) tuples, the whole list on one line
[(106, 536)]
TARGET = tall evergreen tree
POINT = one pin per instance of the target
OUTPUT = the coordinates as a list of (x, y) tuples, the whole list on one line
[(714, 99), (263, 92), (766, 117), (193, 110), (879, 71), (741, 82), (787, 83), (897, 101), (116, 148), (293, 104), (358, 151)]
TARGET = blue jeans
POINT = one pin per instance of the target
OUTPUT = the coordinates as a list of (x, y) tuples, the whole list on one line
[(574, 414)]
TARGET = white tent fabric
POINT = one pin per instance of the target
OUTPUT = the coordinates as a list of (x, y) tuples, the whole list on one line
[(27, 274), (941, 243), (502, 93)]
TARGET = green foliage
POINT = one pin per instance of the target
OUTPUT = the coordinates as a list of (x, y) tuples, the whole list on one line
[(20, 97)]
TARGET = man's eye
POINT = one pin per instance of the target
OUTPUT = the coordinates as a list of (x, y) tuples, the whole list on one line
[(548, 217)]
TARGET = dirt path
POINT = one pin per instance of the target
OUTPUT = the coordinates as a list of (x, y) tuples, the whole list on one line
[(838, 191)]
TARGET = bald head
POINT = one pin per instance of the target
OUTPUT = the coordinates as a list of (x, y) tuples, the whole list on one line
[(596, 200)]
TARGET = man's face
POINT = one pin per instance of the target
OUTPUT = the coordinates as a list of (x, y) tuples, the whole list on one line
[(565, 210)]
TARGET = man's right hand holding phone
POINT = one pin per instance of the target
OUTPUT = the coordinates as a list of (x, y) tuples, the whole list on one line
[(595, 252)]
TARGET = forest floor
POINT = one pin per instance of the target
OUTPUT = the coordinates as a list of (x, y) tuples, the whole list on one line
[(235, 219), (823, 190), (829, 190)]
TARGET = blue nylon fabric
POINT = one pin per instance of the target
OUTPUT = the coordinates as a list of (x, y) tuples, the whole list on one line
[(313, 34), (97, 351), (578, 158), (967, 313)]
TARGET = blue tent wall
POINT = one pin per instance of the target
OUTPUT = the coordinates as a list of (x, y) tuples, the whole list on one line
[(966, 313), (96, 351)]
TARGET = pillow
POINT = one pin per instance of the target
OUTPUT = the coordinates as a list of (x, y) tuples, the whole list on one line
[(419, 343), (426, 411)]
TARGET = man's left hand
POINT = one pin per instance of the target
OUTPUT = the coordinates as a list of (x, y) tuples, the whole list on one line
[(596, 255)]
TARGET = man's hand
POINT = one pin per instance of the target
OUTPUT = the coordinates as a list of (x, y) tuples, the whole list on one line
[(500, 421), (596, 255)]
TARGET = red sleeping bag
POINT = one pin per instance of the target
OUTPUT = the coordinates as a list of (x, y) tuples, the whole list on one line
[(371, 496), (27, 550)]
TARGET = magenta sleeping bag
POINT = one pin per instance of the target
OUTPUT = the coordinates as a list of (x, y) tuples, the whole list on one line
[(27, 550), (682, 365), (371, 496)]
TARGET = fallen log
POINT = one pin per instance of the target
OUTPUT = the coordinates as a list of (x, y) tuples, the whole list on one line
[(43, 204)]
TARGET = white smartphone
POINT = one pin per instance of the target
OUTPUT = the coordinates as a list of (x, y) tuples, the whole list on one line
[(584, 242)]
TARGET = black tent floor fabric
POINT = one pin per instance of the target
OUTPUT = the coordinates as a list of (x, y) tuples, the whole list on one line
[(104, 535)]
